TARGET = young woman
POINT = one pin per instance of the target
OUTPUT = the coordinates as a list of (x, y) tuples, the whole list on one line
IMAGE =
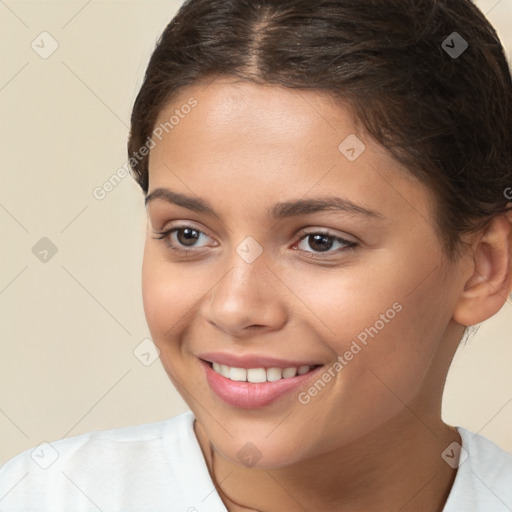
[(328, 189)]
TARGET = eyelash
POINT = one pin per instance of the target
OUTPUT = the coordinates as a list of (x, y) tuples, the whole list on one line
[(349, 246)]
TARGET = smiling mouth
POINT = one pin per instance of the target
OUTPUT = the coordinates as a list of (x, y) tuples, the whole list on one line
[(260, 375), (251, 388)]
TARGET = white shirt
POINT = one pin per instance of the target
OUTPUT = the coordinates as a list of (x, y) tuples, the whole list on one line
[(160, 467)]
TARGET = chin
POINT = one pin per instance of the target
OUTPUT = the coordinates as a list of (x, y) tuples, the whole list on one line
[(264, 454)]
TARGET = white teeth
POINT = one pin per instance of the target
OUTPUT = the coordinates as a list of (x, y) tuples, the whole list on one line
[(224, 370), (258, 375), (238, 374), (274, 374), (289, 372)]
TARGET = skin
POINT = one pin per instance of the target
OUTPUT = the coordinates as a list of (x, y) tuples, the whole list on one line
[(372, 438)]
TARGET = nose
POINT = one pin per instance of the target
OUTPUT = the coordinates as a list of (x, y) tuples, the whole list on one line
[(248, 296)]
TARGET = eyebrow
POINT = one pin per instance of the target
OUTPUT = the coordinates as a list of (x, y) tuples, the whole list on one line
[(278, 211)]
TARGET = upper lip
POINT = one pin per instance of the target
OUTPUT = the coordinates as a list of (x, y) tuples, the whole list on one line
[(253, 360)]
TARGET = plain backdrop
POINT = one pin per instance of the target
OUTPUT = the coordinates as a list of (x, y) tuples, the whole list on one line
[(72, 318)]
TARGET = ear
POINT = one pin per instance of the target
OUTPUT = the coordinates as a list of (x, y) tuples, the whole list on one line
[(490, 283)]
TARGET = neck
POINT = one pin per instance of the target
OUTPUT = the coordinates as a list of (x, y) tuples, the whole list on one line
[(398, 466)]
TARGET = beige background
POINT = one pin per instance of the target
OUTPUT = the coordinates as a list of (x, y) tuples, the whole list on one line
[(69, 326)]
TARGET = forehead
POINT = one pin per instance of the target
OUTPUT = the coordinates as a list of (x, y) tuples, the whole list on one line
[(243, 138), (270, 114)]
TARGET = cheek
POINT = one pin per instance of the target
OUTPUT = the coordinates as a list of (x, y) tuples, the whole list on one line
[(386, 336), (385, 320), (167, 296)]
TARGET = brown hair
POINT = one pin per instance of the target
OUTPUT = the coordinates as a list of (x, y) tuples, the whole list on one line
[(446, 117)]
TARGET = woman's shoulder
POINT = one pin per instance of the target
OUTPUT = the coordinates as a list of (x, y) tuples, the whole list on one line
[(47, 453), (141, 465), (484, 475)]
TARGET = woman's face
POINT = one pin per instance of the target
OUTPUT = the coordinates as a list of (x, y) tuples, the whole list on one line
[(369, 296)]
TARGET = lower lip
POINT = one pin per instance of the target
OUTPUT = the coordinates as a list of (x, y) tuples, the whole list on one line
[(249, 395)]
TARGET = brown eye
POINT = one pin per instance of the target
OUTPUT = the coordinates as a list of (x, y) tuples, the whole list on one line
[(320, 242), (187, 236), (323, 242), (181, 239)]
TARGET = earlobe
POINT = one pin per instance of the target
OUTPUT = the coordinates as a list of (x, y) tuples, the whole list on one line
[(490, 284)]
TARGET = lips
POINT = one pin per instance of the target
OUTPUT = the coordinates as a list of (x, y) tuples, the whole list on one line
[(249, 395)]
